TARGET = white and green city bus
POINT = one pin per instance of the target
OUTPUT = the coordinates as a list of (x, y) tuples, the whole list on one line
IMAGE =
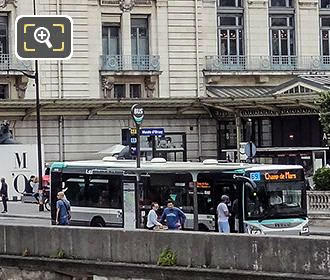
[(115, 193)]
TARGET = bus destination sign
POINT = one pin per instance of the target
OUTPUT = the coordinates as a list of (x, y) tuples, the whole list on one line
[(277, 175), (282, 176)]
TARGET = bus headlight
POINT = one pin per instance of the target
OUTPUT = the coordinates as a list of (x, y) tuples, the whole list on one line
[(255, 230), (305, 229)]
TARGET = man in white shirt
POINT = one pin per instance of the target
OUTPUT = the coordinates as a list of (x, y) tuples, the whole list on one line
[(223, 214), (152, 217)]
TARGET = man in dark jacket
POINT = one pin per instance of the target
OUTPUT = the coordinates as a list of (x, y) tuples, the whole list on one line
[(4, 194)]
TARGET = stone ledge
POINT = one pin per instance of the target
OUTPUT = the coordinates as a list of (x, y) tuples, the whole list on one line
[(85, 268)]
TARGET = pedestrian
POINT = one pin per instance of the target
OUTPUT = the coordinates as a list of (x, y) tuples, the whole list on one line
[(4, 194), (223, 215), (35, 187), (152, 222), (63, 214), (174, 217)]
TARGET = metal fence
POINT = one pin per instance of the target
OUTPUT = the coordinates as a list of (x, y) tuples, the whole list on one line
[(130, 62), (270, 63)]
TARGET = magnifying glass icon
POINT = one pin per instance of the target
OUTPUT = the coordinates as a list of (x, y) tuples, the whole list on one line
[(42, 35)]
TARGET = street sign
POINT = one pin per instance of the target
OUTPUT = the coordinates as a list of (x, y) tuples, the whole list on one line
[(250, 149), (152, 132), (133, 141), (137, 113)]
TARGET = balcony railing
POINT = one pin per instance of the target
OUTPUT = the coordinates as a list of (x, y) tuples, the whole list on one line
[(117, 2), (318, 201), (9, 62), (130, 62), (266, 63)]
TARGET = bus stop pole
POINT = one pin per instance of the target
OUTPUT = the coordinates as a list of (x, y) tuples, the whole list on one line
[(138, 165), (238, 136), (195, 200), (138, 150)]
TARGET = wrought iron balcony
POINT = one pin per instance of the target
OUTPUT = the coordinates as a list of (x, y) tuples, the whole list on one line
[(266, 63), (9, 62), (130, 62), (117, 2)]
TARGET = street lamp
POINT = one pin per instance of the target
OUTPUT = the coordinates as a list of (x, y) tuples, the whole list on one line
[(36, 81)]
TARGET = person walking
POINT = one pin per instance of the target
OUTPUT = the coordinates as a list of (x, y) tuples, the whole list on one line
[(63, 214), (174, 217), (223, 215), (4, 194), (152, 222), (35, 187)]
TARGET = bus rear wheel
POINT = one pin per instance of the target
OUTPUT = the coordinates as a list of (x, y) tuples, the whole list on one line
[(202, 227), (97, 222)]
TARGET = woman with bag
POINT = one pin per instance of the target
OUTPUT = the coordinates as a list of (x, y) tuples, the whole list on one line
[(63, 215)]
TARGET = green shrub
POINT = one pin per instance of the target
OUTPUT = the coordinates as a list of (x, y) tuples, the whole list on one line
[(60, 254), (167, 258), (322, 179)]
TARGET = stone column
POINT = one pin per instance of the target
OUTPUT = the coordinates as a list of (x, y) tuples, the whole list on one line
[(126, 39), (162, 33), (307, 28), (256, 28)]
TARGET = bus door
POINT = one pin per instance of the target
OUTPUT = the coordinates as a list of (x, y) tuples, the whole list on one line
[(223, 183)]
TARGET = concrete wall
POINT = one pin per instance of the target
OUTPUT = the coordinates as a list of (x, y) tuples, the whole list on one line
[(302, 255)]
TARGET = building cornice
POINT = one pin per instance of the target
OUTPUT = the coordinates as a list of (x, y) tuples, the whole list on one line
[(257, 4), (308, 4)]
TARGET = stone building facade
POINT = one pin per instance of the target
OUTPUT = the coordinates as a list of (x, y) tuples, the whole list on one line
[(186, 61)]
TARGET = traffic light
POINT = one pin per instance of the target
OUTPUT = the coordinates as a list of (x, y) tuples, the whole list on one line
[(133, 141)]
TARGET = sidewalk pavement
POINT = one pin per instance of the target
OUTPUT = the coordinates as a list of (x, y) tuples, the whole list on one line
[(18, 209)]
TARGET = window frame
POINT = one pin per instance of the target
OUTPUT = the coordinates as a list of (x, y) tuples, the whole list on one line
[(288, 30), (238, 13), (138, 27), (108, 26), (322, 29), (323, 8), (114, 91), (287, 4), (130, 91), (6, 91), (238, 4)]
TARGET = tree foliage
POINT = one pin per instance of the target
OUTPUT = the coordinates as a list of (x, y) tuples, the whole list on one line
[(325, 111), (321, 179)]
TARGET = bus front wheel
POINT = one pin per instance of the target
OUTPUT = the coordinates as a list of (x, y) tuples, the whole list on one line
[(97, 222)]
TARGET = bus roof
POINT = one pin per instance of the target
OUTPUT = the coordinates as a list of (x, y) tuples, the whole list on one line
[(266, 167), (166, 166)]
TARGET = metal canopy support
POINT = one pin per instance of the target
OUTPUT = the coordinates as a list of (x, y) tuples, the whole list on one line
[(311, 106), (94, 111), (238, 136), (30, 111), (195, 201), (223, 108), (267, 107)]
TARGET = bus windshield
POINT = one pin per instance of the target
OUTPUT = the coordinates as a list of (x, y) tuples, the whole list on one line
[(276, 200)]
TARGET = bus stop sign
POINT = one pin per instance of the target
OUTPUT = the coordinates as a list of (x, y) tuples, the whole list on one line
[(137, 112)]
